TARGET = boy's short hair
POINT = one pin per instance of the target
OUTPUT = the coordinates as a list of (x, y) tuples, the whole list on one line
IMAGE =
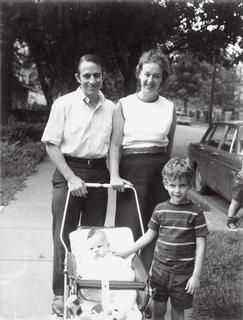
[(177, 168), (94, 231)]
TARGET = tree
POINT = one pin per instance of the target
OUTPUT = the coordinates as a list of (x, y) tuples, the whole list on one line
[(7, 41), (186, 78), (58, 33)]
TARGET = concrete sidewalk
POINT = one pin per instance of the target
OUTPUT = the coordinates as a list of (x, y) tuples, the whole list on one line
[(26, 247)]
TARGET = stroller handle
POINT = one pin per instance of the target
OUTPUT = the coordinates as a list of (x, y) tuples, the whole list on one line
[(98, 185), (104, 185)]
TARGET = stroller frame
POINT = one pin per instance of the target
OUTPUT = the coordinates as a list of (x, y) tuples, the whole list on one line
[(70, 280)]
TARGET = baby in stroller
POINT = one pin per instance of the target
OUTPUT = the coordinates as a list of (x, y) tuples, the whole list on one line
[(103, 265)]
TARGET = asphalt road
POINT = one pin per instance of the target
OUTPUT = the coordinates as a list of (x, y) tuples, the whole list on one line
[(185, 135)]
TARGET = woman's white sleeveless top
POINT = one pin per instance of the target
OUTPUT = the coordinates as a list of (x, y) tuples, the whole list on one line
[(147, 124)]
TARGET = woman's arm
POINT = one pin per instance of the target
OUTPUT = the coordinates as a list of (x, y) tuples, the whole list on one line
[(114, 154), (171, 133), (75, 184)]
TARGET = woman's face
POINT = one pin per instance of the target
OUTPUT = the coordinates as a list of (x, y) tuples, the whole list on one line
[(90, 78), (150, 78)]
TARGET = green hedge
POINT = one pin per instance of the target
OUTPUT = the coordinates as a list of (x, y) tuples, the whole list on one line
[(21, 151)]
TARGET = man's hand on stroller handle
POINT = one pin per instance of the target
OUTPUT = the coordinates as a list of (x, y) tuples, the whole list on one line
[(77, 187)]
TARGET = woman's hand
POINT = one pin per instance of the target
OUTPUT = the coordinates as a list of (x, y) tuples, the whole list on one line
[(77, 187), (118, 183)]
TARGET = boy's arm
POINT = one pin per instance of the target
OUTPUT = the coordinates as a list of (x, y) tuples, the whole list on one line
[(139, 244), (194, 282)]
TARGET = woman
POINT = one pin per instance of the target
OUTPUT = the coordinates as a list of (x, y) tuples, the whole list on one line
[(142, 139)]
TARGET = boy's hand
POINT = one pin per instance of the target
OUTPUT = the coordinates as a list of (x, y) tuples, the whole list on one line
[(193, 284), (121, 253)]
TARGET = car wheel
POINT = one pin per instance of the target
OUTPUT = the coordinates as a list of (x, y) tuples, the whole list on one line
[(201, 187)]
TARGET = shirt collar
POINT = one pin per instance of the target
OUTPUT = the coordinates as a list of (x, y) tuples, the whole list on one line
[(84, 98)]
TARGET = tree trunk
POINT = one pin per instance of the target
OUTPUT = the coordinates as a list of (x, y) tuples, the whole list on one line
[(210, 111), (185, 105), (44, 85), (46, 88), (7, 41)]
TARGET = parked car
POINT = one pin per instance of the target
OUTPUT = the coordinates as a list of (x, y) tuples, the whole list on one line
[(217, 157), (183, 118)]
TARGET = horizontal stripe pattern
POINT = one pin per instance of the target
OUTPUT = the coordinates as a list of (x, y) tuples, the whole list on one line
[(178, 226)]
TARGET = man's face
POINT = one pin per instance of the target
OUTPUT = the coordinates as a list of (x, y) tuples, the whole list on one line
[(90, 78), (98, 246)]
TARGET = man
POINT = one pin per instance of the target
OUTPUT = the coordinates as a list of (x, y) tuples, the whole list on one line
[(77, 138)]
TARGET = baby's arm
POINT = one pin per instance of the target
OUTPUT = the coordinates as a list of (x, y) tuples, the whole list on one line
[(194, 282), (139, 244)]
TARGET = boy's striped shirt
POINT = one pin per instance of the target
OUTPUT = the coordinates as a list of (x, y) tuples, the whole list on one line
[(178, 226)]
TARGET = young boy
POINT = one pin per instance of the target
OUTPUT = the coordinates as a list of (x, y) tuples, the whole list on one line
[(237, 200), (180, 248), (101, 264)]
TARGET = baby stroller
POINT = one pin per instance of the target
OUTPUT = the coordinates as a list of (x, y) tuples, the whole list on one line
[(118, 238)]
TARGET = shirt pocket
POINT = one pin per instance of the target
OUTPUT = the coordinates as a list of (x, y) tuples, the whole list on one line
[(78, 123)]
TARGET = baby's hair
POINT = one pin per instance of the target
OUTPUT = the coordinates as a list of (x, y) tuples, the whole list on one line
[(94, 231), (90, 58), (154, 56), (178, 168)]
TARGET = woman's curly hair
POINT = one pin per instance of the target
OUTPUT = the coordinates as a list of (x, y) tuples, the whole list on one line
[(154, 56)]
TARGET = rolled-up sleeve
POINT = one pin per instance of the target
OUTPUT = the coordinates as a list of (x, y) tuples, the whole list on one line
[(54, 129)]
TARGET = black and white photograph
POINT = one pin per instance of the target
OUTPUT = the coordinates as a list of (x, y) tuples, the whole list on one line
[(121, 160)]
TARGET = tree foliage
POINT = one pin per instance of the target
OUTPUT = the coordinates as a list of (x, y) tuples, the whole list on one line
[(58, 33), (186, 78)]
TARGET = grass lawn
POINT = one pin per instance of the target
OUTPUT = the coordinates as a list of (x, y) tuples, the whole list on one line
[(220, 295), (17, 162)]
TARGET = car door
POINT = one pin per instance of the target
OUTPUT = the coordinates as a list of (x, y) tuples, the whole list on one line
[(211, 155), (226, 162)]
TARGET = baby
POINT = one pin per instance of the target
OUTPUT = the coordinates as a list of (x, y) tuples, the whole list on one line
[(101, 264)]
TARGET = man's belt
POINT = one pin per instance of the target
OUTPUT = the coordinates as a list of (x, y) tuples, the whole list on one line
[(101, 162)]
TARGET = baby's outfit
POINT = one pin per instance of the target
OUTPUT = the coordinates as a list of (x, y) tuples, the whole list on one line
[(108, 268)]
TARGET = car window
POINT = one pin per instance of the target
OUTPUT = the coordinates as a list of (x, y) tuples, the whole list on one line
[(217, 136), (241, 140), (207, 135), (230, 143)]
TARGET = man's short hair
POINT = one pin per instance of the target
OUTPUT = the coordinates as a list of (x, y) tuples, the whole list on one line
[(178, 168), (90, 58)]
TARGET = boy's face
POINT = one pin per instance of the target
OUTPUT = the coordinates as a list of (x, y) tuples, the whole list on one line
[(98, 246), (178, 190)]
